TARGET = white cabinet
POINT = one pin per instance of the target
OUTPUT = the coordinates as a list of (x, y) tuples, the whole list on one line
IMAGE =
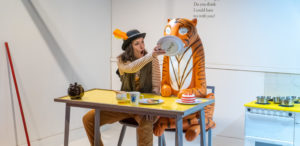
[(297, 118), (297, 135), (297, 130), (265, 127)]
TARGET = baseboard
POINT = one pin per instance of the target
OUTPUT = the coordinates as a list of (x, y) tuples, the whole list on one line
[(111, 132), (219, 140), (58, 140)]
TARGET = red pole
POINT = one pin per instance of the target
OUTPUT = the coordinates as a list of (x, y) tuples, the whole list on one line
[(18, 94)]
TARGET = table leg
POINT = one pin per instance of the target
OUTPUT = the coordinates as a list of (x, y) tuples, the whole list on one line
[(179, 139), (164, 140), (67, 125), (97, 128), (202, 130), (209, 137), (137, 136), (160, 141)]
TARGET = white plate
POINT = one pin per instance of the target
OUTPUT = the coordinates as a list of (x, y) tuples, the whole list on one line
[(145, 101), (197, 101), (171, 44)]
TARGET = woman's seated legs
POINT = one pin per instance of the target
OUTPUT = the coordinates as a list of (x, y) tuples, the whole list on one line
[(106, 117), (145, 132)]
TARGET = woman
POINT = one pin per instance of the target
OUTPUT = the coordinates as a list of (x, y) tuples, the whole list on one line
[(139, 71)]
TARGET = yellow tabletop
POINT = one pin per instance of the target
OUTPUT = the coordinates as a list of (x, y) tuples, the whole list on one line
[(109, 97), (274, 106)]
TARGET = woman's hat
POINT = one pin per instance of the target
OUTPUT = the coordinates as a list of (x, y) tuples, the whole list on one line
[(128, 37)]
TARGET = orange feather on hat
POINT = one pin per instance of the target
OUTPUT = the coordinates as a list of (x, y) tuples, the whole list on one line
[(120, 34)]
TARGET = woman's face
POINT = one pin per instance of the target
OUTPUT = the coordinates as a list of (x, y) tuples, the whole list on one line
[(138, 47)]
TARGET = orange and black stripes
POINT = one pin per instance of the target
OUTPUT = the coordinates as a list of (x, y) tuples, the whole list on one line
[(197, 83)]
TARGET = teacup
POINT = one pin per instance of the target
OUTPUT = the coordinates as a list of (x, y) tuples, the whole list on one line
[(134, 97), (121, 96)]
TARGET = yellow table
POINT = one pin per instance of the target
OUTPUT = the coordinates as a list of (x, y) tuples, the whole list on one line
[(101, 99)]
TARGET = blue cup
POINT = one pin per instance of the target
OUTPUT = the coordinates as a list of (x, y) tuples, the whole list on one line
[(134, 97)]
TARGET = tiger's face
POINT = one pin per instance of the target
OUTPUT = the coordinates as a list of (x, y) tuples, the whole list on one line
[(184, 29)]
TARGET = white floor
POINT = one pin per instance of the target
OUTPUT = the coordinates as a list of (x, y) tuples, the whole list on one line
[(110, 137)]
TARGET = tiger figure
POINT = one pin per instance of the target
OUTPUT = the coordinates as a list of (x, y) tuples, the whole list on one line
[(185, 74)]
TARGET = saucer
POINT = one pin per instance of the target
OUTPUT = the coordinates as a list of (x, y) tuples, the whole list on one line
[(197, 101), (123, 100), (150, 101)]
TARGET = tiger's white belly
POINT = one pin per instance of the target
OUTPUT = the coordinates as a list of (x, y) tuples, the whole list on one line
[(181, 79)]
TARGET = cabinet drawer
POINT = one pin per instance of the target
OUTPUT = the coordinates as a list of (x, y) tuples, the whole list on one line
[(297, 118), (269, 127), (297, 135)]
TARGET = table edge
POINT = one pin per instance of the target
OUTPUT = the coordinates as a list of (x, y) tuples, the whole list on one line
[(141, 110)]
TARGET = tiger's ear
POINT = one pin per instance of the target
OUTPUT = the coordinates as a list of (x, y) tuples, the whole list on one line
[(169, 20), (194, 21)]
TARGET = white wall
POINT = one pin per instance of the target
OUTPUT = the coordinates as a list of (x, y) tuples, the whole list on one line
[(78, 45), (246, 46), (244, 35), (76, 49)]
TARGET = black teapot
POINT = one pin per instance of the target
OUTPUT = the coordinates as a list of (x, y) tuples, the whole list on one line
[(75, 91)]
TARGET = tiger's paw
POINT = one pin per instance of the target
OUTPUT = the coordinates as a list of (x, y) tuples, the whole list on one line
[(160, 126), (158, 130), (192, 132), (166, 90)]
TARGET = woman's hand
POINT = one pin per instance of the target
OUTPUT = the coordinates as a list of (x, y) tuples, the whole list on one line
[(157, 51)]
